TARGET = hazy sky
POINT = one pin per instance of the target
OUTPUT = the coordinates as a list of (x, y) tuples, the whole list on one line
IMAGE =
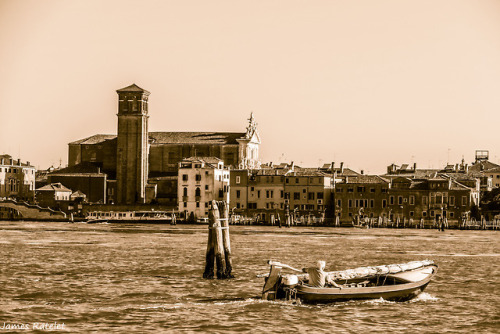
[(365, 82)]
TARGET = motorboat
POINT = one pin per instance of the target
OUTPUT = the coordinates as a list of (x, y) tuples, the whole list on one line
[(395, 282)]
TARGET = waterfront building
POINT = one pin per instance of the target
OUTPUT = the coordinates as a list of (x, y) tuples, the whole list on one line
[(258, 194), (360, 196), (53, 195), (273, 191), (201, 180), (85, 178), (137, 157), (432, 199), (17, 179)]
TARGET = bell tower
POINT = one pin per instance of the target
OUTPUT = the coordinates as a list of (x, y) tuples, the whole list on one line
[(132, 145)]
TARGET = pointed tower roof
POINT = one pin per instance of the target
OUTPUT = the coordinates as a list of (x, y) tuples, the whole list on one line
[(132, 88)]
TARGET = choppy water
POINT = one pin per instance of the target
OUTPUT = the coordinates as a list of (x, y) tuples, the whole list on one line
[(141, 279)]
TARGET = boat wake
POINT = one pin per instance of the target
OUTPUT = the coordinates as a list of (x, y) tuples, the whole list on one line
[(424, 297)]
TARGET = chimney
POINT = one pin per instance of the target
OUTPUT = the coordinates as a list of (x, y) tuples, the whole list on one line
[(362, 172), (19, 162), (28, 163), (341, 168), (414, 166), (456, 168)]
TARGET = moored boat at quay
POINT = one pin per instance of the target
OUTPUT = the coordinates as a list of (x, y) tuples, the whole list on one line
[(396, 282), (148, 217)]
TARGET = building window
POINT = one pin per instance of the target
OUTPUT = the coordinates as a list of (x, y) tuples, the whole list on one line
[(296, 180), (252, 188), (198, 177), (350, 190), (384, 203), (185, 192), (311, 196), (339, 203), (350, 203), (372, 190), (361, 189), (237, 205), (184, 177), (424, 213), (197, 192), (432, 213), (339, 190), (319, 195), (412, 200), (282, 193), (206, 204), (372, 203), (452, 200), (258, 193), (238, 180), (391, 200), (452, 214), (400, 200), (185, 204), (296, 195), (425, 200), (206, 186), (464, 200), (197, 204), (238, 193), (411, 213), (383, 190)]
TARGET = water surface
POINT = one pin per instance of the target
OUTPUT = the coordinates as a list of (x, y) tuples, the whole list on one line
[(148, 278)]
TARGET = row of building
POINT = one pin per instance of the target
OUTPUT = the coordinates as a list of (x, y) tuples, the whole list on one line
[(329, 194), (184, 171)]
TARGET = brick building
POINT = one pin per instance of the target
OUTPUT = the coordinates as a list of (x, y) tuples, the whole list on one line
[(137, 157)]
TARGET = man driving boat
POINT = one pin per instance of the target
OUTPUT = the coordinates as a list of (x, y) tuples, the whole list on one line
[(318, 277)]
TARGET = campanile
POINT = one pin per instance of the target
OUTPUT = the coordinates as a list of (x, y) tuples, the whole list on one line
[(132, 145)]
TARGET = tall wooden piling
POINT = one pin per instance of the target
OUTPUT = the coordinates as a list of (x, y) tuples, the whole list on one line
[(224, 213), (210, 256), (215, 244)]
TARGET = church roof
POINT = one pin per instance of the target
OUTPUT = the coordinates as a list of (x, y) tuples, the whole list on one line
[(174, 138), (195, 137), (132, 88), (95, 139)]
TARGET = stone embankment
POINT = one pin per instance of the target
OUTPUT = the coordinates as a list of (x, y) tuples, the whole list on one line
[(31, 211)]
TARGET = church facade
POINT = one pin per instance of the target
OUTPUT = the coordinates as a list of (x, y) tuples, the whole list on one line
[(136, 156)]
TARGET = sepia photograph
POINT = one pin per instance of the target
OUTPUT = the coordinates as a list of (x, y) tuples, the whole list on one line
[(233, 166)]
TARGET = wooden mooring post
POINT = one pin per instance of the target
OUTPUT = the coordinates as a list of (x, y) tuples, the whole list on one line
[(218, 244)]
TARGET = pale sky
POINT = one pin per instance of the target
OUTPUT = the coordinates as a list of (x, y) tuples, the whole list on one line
[(368, 82)]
